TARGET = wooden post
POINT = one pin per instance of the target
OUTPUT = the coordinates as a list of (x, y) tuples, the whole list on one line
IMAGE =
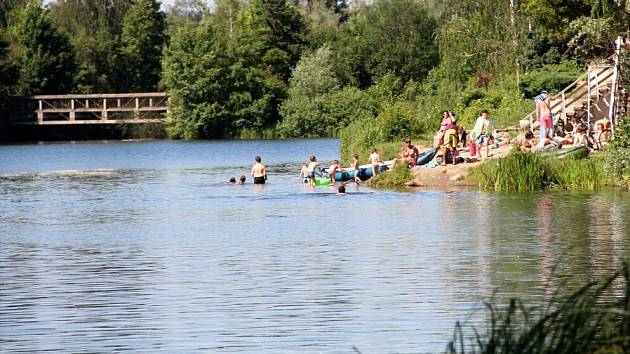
[(136, 112), (72, 113), (104, 114), (40, 113)]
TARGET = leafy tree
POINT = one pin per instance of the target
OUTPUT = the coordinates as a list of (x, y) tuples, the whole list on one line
[(142, 38), (552, 17), (214, 90), (194, 74), (391, 35), (182, 11), (94, 28), (316, 105), (45, 56), (7, 76), (284, 30)]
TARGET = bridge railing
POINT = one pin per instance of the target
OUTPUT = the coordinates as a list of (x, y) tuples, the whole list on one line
[(88, 109)]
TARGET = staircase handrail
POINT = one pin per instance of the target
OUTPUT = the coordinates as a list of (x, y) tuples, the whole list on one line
[(569, 88)]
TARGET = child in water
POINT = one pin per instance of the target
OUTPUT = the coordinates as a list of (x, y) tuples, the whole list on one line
[(242, 179), (232, 180), (304, 173), (355, 165), (375, 159), (333, 169)]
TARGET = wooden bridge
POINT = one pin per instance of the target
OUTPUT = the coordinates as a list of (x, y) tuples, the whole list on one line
[(123, 108)]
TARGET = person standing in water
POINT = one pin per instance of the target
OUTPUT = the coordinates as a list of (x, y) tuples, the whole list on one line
[(259, 171)]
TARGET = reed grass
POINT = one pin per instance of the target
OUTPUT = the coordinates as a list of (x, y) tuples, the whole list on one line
[(523, 172), (394, 178), (588, 320)]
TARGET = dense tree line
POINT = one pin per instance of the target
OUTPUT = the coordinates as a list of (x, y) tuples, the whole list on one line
[(304, 68)]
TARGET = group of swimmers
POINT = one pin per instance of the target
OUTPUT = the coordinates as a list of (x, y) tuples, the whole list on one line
[(311, 170), (259, 172)]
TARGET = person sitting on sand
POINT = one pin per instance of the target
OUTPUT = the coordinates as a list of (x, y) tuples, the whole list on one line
[(408, 154), (528, 144), (333, 169), (580, 138), (375, 160), (304, 173), (483, 133), (355, 165)]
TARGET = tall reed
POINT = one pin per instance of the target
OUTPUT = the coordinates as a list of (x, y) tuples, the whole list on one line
[(589, 320), (522, 172)]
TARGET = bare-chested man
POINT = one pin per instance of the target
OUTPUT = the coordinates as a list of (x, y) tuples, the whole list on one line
[(543, 115), (259, 171)]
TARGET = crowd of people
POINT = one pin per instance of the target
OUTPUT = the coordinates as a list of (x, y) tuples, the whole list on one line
[(555, 132), (446, 141)]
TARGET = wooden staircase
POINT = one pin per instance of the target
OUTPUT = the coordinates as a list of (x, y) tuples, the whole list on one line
[(585, 100)]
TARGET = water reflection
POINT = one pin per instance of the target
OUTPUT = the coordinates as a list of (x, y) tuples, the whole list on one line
[(170, 257)]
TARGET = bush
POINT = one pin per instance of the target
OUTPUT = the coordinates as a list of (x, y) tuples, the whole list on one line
[(553, 78), (394, 178), (617, 156), (396, 121)]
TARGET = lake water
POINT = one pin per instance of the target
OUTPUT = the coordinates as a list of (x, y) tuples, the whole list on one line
[(144, 247)]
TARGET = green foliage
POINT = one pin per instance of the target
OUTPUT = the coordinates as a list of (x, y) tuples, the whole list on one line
[(45, 57), (588, 320), (389, 36), (584, 174), (194, 74), (143, 35), (617, 156), (552, 78), (394, 178), (194, 11), (96, 42), (505, 103), (283, 32), (313, 76), (536, 51), (552, 17), (316, 106), (524, 172), (591, 37), (394, 122)]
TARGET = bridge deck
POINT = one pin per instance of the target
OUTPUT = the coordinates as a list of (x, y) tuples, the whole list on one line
[(125, 108)]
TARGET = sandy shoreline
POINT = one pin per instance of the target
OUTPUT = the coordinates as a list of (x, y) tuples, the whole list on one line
[(451, 175)]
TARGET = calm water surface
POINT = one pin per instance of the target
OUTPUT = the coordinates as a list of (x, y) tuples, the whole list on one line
[(144, 247)]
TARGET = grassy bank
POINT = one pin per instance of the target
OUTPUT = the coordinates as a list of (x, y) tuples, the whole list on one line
[(522, 172), (593, 319), (394, 178)]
